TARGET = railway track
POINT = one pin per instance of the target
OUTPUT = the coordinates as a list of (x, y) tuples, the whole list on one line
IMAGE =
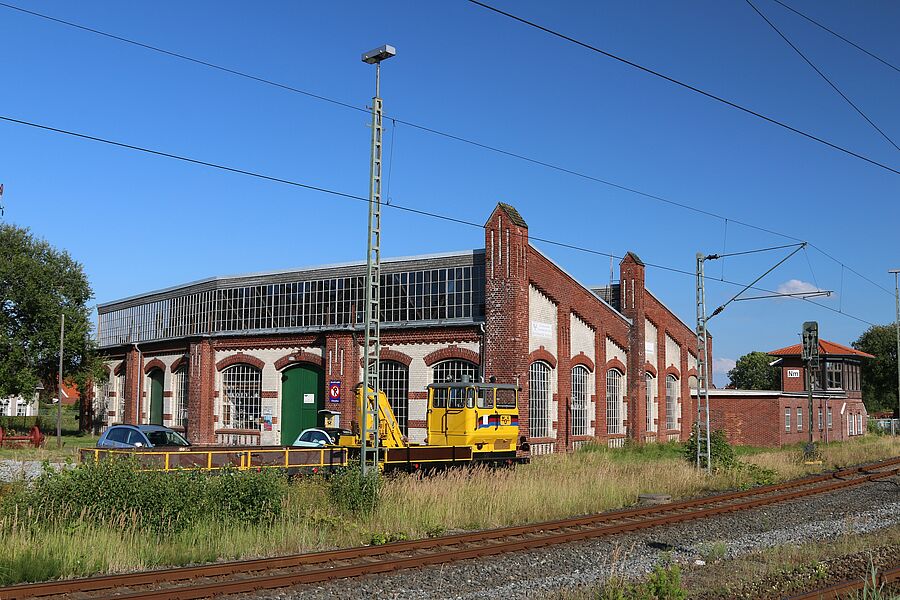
[(852, 587), (270, 573)]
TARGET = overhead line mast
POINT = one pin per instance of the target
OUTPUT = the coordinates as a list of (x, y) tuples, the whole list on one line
[(373, 271)]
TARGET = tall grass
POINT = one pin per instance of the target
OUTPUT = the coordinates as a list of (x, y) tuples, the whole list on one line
[(45, 539)]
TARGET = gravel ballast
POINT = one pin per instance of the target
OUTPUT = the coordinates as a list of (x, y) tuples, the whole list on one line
[(856, 510)]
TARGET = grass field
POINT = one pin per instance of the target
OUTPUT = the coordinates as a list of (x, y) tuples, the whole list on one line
[(592, 480)]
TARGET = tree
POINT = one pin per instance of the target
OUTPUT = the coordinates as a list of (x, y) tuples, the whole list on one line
[(879, 374), (37, 284), (753, 372)]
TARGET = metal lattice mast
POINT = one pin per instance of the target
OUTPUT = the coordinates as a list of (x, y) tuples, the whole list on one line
[(702, 423), (373, 271)]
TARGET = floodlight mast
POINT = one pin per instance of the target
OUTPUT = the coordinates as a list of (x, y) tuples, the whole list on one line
[(373, 271)]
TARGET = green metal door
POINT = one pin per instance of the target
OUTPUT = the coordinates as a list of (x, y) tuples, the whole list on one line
[(156, 397), (302, 396)]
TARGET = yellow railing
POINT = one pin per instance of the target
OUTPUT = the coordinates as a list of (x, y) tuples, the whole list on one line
[(213, 459)]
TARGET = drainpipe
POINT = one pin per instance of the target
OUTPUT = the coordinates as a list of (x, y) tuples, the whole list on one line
[(482, 352), (140, 388)]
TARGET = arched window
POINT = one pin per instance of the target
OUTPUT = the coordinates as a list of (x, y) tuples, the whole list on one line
[(693, 382), (454, 370), (393, 378), (180, 397), (241, 397), (615, 390), (673, 402), (539, 400), (580, 400), (652, 410)]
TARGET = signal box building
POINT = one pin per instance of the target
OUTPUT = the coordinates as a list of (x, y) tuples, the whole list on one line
[(778, 417), (253, 359)]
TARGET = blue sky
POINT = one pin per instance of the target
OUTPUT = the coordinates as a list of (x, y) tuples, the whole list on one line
[(139, 223)]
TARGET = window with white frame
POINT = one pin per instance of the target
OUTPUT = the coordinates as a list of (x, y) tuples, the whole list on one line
[(859, 424), (650, 399), (615, 392), (180, 393), (829, 417), (820, 419), (799, 419), (673, 402), (21, 407), (787, 420), (539, 390), (834, 372), (851, 425), (580, 400), (393, 378), (241, 397)]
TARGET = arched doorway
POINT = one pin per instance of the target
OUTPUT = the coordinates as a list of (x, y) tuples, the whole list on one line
[(156, 396), (302, 397)]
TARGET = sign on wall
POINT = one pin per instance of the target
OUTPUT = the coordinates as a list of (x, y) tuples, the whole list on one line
[(539, 329), (793, 373), (334, 391), (309, 398)]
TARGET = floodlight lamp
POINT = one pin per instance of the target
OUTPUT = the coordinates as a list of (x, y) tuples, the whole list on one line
[(379, 54)]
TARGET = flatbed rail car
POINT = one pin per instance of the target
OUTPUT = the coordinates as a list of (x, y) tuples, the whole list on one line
[(242, 458)]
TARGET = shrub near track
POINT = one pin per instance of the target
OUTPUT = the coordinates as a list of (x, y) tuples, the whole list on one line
[(115, 491)]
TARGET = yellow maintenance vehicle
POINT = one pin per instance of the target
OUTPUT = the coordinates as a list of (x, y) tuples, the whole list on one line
[(468, 422)]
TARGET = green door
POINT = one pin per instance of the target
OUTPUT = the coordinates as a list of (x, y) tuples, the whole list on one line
[(156, 397), (302, 396)]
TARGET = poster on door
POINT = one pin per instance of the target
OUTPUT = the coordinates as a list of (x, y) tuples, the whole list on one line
[(309, 398)]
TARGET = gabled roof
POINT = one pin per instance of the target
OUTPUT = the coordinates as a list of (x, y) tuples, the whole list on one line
[(634, 257), (513, 214), (826, 348)]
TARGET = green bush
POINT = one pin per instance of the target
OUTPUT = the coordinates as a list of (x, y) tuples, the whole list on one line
[(722, 453), (21, 425), (115, 491), (349, 489), (663, 583)]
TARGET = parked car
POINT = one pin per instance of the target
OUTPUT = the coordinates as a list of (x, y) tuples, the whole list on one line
[(141, 436), (317, 438)]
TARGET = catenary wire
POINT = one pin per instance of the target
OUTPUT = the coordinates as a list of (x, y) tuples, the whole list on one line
[(822, 75), (839, 36), (399, 207), (687, 86), (448, 136)]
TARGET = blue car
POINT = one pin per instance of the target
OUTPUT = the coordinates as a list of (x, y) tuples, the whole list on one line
[(141, 436)]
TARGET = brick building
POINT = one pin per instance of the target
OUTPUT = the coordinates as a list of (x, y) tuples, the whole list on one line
[(777, 417), (250, 359)]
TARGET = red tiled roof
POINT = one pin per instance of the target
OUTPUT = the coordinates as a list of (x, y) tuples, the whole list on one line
[(70, 393), (825, 348)]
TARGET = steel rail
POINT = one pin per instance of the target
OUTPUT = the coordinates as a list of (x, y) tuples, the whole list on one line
[(492, 542), (851, 587)]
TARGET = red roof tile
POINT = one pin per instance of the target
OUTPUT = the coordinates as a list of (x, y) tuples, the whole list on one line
[(825, 348)]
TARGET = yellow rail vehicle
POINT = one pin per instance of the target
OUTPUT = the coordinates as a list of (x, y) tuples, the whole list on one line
[(466, 422), (483, 416)]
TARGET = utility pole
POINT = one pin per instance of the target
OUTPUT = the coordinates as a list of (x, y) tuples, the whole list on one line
[(810, 354), (59, 382), (373, 270), (703, 437), (896, 273)]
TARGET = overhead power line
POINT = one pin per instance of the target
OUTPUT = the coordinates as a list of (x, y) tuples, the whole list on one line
[(822, 75), (839, 36), (446, 135), (395, 206), (687, 86)]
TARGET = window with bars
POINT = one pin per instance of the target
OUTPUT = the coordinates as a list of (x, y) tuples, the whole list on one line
[(539, 391), (615, 390), (673, 404), (180, 397), (651, 401), (393, 377), (241, 397), (101, 403), (580, 400), (448, 371), (787, 420), (834, 372)]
